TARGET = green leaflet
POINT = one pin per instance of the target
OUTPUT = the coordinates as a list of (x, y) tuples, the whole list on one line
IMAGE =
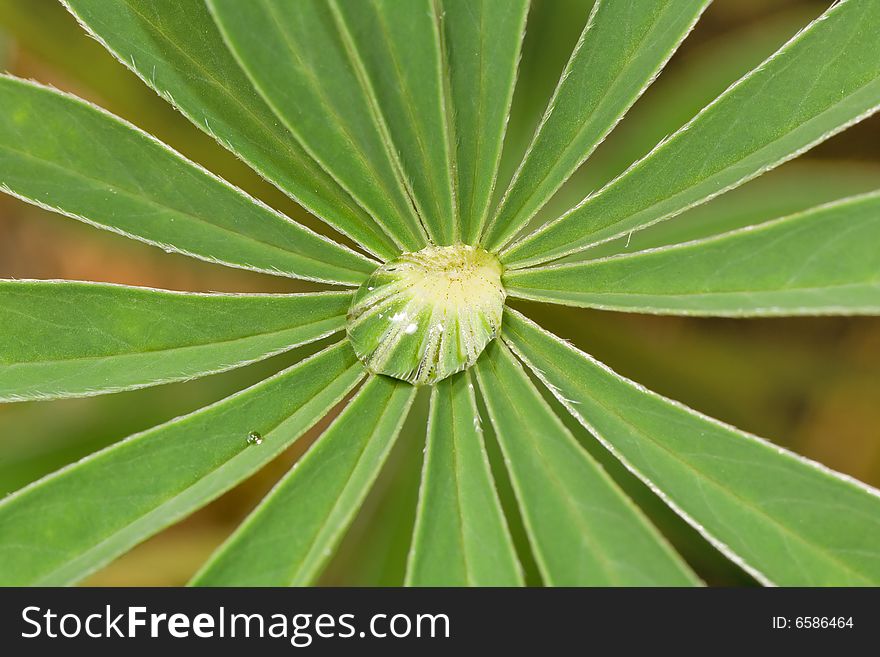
[(623, 47), (820, 82), (69, 339), (795, 187), (400, 47), (373, 550), (291, 535), (786, 520), (61, 528), (461, 537), (583, 529), (483, 42), (305, 66), (819, 262), (176, 49), (63, 154)]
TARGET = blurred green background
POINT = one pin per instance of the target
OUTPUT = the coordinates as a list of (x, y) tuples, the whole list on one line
[(812, 385)]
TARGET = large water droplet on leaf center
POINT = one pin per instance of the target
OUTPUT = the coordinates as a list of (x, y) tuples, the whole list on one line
[(426, 315)]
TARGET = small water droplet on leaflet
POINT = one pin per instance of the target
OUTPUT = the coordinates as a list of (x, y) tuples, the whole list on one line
[(254, 438)]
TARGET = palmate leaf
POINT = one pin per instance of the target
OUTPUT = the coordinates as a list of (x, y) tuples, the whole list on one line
[(483, 42), (307, 68), (583, 529), (622, 48), (385, 118), (61, 528), (67, 339), (461, 536), (400, 45), (820, 82), (819, 262), (176, 49), (786, 520), (292, 533), (63, 154)]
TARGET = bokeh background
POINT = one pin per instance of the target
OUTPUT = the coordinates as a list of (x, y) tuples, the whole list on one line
[(812, 385)]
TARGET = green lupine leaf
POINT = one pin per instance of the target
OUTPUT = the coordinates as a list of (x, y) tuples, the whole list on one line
[(290, 536), (622, 48), (400, 45), (63, 154), (823, 261), (786, 520), (820, 82), (61, 528), (795, 187), (69, 339), (386, 119), (176, 49), (583, 529), (305, 66), (483, 41), (461, 537)]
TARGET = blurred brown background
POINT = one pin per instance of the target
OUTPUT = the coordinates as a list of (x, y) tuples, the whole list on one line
[(812, 385)]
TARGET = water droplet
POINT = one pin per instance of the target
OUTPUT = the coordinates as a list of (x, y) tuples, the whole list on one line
[(434, 311), (254, 438)]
